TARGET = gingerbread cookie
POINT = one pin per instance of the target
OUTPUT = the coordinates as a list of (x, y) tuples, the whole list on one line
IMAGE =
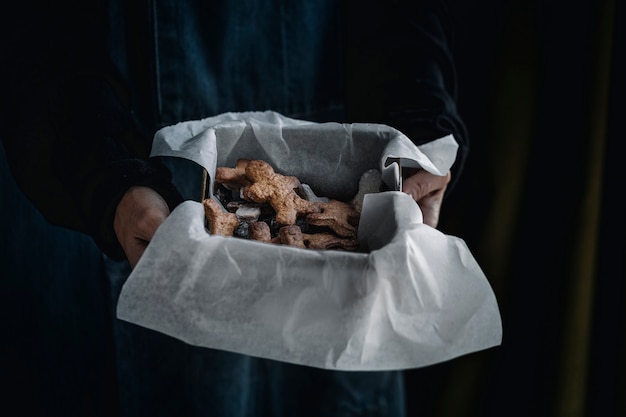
[(220, 221), (341, 217), (369, 183), (233, 178), (292, 236), (259, 231), (329, 241), (278, 191), (275, 208)]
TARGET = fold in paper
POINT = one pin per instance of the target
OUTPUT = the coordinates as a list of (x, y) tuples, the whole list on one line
[(411, 298)]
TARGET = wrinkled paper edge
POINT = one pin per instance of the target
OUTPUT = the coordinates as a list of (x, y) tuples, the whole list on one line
[(478, 335)]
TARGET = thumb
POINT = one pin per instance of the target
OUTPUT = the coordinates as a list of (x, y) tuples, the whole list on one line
[(139, 213)]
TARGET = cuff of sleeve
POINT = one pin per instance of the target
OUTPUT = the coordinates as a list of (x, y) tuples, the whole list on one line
[(123, 175)]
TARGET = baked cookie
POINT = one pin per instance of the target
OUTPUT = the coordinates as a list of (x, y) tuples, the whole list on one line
[(337, 215), (292, 236), (233, 178), (219, 220), (329, 241), (259, 231), (278, 191)]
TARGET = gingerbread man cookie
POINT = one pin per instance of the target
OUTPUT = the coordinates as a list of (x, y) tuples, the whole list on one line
[(278, 191), (338, 216), (233, 178)]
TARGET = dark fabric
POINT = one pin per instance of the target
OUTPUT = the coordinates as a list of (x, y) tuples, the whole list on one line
[(401, 72), (57, 351), (89, 83), (66, 118)]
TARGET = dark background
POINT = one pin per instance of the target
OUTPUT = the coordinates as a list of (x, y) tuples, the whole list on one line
[(538, 205)]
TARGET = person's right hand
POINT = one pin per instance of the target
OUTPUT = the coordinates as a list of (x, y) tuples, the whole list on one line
[(139, 213)]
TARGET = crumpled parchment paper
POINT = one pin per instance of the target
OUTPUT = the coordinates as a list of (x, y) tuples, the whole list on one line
[(413, 297)]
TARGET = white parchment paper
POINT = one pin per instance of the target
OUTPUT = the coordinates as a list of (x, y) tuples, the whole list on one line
[(412, 298)]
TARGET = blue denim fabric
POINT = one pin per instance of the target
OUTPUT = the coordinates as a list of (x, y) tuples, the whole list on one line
[(210, 58), (56, 351), (247, 55), (204, 58)]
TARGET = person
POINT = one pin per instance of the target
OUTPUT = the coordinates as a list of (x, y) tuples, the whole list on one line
[(88, 84)]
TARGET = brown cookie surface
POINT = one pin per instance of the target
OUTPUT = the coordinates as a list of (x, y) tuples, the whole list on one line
[(233, 178), (341, 217), (275, 208), (329, 241), (259, 231), (278, 191), (219, 220)]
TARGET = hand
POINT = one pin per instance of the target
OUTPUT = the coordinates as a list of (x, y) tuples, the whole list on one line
[(427, 190), (139, 213)]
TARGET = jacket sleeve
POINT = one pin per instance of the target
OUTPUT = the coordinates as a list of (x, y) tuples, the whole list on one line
[(401, 71), (71, 141)]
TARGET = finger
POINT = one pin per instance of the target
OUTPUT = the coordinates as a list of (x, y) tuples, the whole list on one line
[(427, 190), (423, 183)]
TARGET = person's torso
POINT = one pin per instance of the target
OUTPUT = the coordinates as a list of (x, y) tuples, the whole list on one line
[(192, 59)]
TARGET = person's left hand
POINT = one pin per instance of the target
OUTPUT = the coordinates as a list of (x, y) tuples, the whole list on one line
[(427, 190)]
